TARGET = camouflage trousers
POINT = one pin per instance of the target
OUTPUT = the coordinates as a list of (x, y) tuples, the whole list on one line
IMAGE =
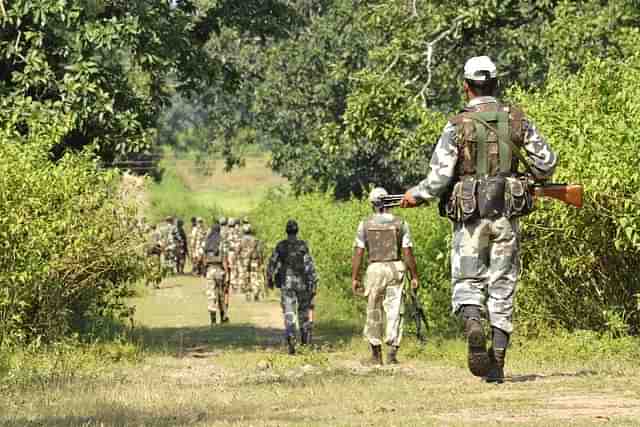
[(256, 280), (169, 259), (154, 270), (383, 288), (216, 288), (233, 267), (295, 307), (485, 266)]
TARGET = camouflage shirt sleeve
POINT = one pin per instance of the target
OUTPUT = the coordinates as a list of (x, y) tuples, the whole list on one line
[(361, 239), (405, 232), (442, 167), (541, 157), (274, 263), (310, 272)]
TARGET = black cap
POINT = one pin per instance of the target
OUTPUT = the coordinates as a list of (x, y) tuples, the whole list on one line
[(292, 227)]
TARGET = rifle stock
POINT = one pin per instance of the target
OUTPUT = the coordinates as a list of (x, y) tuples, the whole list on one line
[(570, 194)]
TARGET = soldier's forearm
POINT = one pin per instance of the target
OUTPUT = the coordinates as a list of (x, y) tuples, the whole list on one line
[(410, 262), (356, 262)]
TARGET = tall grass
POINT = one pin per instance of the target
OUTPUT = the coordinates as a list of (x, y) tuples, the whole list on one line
[(172, 197)]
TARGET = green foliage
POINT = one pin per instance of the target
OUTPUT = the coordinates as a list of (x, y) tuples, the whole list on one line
[(69, 246), (341, 100), (590, 281), (104, 63), (329, 227), (171, 197)]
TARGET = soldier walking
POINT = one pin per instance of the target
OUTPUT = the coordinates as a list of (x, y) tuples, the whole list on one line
[(386, 239), (250, 265), (474, 170), (233, 240), (292, 270), (182, 247), (168, 245), (217, 264), (153, 251)]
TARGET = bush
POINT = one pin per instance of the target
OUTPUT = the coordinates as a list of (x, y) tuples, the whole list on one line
[(69, 245), (580, 267)]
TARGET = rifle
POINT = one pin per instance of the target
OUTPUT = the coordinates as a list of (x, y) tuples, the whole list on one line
[(570, 194), (418, 316)]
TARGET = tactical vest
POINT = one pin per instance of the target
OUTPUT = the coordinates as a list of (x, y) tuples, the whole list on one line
[(248, 248), (383, 238), (487, 167), (293, 253), (213, 255)]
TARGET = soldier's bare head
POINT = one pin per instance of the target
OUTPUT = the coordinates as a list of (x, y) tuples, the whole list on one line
[(292, 227)]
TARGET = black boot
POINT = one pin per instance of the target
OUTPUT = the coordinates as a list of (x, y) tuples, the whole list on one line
[(213, 317), (291, 344), (496, 373), (392, 356), (224, 318), (376, 355), (478, 359), (305, 336)]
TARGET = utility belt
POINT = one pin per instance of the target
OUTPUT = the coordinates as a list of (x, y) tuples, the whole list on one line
[(210, 258), (386, 260), (487, 197)]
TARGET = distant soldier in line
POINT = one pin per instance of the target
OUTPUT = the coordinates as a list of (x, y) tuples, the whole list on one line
[(153, 258), (192, 242), (250, 264), (217, 263), (168, 245), (199, 246), (291, 268), (224, 228), (257, 273), (386, 239), (475, 174), (233, 239), (183, 247)]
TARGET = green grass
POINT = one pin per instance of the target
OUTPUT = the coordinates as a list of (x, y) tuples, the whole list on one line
[(190, 189), (181, 372)]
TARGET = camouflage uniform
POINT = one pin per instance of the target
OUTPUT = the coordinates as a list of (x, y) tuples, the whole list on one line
[(182, 250), (385, 276), (292, 267), (169, 245), (249, 268), (153, 258), (474, 172), (484, 255), (198, 247), (233, 241), (217, 285), (256, 273)]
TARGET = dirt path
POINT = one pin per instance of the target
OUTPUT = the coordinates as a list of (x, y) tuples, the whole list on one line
[(239, 375)]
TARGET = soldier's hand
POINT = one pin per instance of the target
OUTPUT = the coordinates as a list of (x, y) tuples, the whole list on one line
[(355, 286), (414, 283), (408, 201)]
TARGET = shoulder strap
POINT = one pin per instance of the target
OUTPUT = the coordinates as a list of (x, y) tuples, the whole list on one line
[(515, 149)]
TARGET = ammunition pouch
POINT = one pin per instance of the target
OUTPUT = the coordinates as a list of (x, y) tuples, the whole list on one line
[(487, 197), (517, 198), (462, 203), (491, 195)]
